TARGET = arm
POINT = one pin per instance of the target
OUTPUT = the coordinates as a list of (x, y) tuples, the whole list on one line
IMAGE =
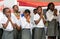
[(17, 24), (43, 19), (18, 27), (5, 25), (14, 25), (9, 18), (37, 21)]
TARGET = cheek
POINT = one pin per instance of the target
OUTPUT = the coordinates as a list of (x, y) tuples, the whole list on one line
[(39, 10), (16, 8), (8, 13)]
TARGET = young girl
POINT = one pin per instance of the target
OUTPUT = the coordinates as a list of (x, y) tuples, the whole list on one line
[(8, 23), (17, 15), (52, 23), (39, 32), (26, 26)]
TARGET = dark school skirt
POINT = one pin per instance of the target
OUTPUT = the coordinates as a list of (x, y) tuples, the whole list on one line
[(52, 28), (26, 34), (39, 33)]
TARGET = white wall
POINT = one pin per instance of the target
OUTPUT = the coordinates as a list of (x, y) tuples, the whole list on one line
[(10, 3), (22, 8)]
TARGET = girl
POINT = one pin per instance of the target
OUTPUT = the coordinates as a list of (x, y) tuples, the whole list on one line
[(39, 32), (26, 25), (17, 15), (8, 23), (52, 23)]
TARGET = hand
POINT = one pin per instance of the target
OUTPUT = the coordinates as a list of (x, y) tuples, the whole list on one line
[(55, 14), (41, 16), (28, 19), (9, 18), (14, 25)]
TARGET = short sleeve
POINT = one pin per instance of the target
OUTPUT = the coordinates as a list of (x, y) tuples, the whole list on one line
[(3, 20)]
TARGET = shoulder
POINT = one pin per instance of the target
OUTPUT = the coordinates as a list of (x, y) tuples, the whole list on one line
[(36, 15), (23, 18), (13, 15)]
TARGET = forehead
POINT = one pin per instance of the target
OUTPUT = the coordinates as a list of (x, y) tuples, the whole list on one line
[(40, 8), (15, 6), (7, 9), (52, 5), (27, 13)]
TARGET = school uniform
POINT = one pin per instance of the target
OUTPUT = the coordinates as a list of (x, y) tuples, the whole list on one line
[(39, 32), (8, 32), (26, 29), (1, 30), (52, 23), (17, 34)]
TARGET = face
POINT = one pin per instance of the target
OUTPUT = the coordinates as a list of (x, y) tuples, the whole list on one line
[(16, 8), (7, 12), (39, 11), (26, 14), (51, 7), (35, 11)]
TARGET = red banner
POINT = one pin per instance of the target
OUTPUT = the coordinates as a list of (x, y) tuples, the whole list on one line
[(35, 4)]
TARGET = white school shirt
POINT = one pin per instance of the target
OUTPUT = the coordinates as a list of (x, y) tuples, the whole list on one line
[(1, 16), (25, 24), (17, 20), (40, 24), (9, 26), (50, 15)]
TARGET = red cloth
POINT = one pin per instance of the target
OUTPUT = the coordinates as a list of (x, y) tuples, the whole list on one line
[(35, 4)]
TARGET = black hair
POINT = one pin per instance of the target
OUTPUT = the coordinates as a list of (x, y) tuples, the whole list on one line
[(39, 7), (48, 7), (4, 9), (14, 6), (27, 11), (34, 9)]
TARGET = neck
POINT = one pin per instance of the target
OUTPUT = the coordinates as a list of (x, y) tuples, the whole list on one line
[(16, 12)]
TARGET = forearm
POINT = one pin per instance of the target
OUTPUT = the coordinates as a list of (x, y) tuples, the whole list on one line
[(44, 20), (5, 25), (18, 27), (37, 21), (14, 26)]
